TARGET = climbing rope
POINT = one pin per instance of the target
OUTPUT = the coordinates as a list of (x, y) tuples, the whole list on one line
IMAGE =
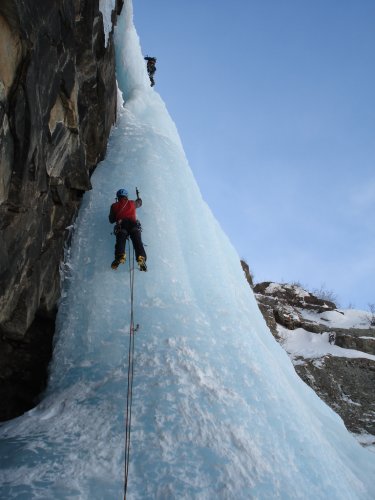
[(129, 397)]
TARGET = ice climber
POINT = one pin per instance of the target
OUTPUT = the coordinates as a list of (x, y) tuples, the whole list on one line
[(151, 68), (123, 213)]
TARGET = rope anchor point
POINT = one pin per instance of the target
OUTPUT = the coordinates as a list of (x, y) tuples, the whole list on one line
[(135, 328)]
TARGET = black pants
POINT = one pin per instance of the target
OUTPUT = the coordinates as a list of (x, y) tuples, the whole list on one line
[(122, 231)]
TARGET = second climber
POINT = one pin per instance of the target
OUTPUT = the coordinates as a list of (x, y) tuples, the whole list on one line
[(151, 68)]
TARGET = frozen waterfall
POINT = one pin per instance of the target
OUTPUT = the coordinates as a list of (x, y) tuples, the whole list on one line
[(218, 410)]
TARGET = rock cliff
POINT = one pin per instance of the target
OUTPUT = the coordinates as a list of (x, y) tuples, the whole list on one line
[(57, 106), (332, 350)]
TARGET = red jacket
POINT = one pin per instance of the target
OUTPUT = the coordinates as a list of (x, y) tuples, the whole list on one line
[(124, 209)]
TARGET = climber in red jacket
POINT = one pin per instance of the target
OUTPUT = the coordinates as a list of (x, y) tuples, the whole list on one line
[(123, 213)]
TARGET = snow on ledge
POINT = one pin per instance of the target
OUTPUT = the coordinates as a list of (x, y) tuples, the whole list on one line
[(309, 345), (339, 318), (297, 290)]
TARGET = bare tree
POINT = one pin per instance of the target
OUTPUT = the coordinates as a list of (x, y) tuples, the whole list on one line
[(371, 316)]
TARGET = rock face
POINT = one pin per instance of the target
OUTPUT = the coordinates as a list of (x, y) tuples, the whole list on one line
[(347, 386), (57, 106), (345, 383)]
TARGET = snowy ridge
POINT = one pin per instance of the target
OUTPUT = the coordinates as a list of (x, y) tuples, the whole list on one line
[(218, 411)]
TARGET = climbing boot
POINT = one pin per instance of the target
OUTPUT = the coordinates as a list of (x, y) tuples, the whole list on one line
[(115, 264), (120, 259), (142, 263)]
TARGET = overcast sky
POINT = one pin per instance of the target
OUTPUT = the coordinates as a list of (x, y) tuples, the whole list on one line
[(274, 101)]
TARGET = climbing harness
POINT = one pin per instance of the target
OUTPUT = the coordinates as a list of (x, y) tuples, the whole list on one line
[(129, 396)]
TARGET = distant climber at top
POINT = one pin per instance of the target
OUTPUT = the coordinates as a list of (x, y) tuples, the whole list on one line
[(151, 68), (123, 213)]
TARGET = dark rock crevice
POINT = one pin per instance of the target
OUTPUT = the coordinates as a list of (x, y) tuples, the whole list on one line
[(23, 367)]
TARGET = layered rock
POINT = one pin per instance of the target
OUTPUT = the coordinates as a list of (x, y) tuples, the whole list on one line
[(57, 106), (347, 386)]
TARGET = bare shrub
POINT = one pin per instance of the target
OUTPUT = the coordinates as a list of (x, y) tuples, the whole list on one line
[(324, 294), (299, 284), (371, 316)]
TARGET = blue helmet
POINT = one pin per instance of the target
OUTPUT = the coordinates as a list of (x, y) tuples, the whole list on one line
[(121, 192)]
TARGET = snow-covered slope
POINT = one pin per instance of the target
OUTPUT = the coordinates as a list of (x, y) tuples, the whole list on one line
[(218, 411)]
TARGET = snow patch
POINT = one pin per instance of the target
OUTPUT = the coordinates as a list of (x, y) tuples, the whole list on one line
[(301, 343), (340, 318)]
